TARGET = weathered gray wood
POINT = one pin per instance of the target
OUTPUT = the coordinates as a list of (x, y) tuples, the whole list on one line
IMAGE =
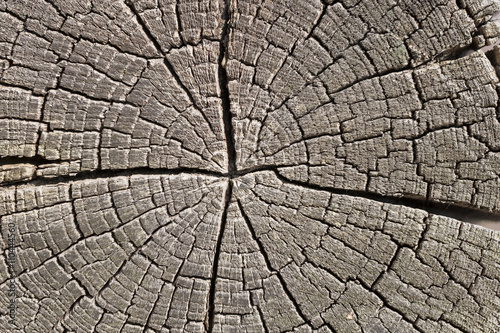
[(234, 166)]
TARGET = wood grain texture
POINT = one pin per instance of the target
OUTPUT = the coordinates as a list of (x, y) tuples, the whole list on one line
[(248, 166)]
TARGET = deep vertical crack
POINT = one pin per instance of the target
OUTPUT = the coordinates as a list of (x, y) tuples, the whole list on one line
[(231, 162), (224, 91), (211, 298)]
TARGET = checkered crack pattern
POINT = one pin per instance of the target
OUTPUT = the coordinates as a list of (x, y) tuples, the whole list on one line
[(248, 166)]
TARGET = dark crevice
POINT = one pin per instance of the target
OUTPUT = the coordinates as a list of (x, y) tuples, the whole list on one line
[(265, 167), (76, 223), (35, 160), (42, 32), (492, 54), (462, 212), (42, 114), (458, 327), (456, 211), (224, 90), (98, 174), (211, 301), (231, 162), (455, 53), (488, 48)]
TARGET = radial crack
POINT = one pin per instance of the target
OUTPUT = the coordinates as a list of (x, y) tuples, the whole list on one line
[(209, 323), (223, 85)]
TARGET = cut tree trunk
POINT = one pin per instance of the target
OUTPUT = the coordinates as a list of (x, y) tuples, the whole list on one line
[(248, 166)]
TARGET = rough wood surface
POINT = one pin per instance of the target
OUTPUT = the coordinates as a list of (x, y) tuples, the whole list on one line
[(248, 166)]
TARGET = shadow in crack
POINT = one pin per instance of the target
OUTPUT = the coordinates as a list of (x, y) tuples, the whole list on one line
[(490, 221), (472, 216)]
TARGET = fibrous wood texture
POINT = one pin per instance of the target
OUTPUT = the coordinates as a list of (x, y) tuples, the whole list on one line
[(248, 166)]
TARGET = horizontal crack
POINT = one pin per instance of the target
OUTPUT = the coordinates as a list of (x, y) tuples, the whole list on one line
[(99, 174), (35, 160), (468, 214)]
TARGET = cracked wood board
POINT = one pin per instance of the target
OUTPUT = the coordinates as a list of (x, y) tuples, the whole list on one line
[(248, 166)]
